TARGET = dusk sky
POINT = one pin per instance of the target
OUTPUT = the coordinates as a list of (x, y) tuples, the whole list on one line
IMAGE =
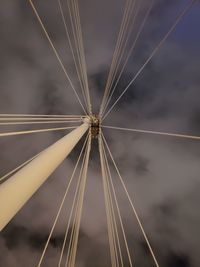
[(162, 173)]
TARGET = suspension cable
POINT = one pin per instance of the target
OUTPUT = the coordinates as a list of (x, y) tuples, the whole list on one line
[(36, 131), (78, 41), (112, 207), (75, 208), (71, 49), (71, 256), (39, 122), (4, 177), (36, 119), (56, 53), (118, 210), (130, 53), (76, 8), (122, 31), (110, 93), (72, 210), (178, 19), (152, 132), (38, 115), (132, 205), (61, 205), (108, 215)]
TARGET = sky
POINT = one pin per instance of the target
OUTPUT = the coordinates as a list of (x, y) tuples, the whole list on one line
[(161, 173)]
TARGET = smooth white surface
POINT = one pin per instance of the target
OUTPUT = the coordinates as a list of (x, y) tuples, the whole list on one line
[(17, 190)]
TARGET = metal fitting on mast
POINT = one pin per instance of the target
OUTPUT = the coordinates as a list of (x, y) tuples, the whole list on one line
[(94, 125)]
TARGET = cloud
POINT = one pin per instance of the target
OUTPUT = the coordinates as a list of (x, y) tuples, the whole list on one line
[(162, 174)]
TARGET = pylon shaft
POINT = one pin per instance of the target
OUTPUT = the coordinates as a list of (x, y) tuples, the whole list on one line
[(19, 188)]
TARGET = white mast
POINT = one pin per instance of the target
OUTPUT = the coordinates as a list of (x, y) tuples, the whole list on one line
[(17, 190)]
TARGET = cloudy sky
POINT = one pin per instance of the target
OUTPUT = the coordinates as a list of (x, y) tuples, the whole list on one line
[(162, 174)]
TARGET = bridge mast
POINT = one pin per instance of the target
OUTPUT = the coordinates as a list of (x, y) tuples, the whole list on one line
[(20, 187)]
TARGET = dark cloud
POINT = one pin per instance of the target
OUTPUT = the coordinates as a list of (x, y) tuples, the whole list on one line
[(178, 260)]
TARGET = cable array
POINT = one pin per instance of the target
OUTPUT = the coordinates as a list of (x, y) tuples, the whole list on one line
[(130, 11), (153, 53), (18, 120), (128, 56), (112, 207), (132, 205), (82, 176), (193, 137), (120, 251), (56, 53), (78, 50)]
